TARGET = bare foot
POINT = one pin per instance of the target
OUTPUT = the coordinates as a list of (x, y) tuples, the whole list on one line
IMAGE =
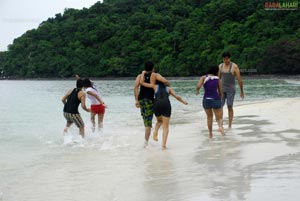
[(65, 131), (164, 148), (210, 136), (221, 130), (155, 136)]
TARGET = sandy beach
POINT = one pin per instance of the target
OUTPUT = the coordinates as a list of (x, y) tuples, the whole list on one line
[(262, 152), (258, 159)]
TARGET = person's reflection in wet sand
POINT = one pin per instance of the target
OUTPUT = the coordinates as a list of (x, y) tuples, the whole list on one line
[(160, 177)]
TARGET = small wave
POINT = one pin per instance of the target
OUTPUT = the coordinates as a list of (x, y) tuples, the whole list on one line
[(294, 82), (99, 140)]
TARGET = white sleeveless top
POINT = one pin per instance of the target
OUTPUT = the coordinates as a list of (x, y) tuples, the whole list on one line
[(93, 100)]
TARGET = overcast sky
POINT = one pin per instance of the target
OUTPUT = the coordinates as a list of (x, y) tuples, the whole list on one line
[(18, 16)]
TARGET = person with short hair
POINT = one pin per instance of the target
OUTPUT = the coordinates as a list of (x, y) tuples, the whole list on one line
[(144, 97), (228, 71), (71, 101)]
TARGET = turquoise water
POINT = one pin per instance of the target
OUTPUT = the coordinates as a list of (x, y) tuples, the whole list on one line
[(37, 163)]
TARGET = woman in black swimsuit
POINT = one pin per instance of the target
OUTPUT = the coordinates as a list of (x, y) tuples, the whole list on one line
[(162, 107)]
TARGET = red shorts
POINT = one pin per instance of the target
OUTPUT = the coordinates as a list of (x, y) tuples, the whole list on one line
[(98, 109)]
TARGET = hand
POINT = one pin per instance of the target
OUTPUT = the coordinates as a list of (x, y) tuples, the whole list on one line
[(197, 93), (242, 95), (137, 104)]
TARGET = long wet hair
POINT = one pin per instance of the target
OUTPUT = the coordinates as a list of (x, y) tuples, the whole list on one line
[(87, 83)]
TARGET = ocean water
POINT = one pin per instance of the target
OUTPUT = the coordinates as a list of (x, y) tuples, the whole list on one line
[(38, 163)]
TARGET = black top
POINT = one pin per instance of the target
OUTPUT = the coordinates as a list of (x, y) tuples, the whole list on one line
[(145, 92), (73, 102)]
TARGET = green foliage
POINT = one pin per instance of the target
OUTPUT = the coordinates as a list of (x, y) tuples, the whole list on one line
[(182, 38)]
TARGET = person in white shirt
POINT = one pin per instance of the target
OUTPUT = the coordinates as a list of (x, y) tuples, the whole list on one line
[(97, 104)]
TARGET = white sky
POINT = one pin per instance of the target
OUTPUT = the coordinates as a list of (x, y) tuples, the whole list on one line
[(18, 16)]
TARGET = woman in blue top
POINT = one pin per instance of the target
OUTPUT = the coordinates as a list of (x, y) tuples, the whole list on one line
[(212, 98), (162, 106)]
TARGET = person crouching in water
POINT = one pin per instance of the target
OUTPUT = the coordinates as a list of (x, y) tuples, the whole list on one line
[(212, 103), (162, 106), (97, 104), (71, 101)]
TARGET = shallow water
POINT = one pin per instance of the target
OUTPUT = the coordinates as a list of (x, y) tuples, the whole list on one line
[(38, 163)]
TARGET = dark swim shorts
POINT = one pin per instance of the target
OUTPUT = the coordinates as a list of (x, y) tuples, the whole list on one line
[(146, 107), (228, 97), (211, 103)]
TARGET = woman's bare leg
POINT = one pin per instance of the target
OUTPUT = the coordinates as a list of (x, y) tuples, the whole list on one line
[(93, 121), (219, 118), (165, 123), (100, 120), (157, 126), (209, 114)]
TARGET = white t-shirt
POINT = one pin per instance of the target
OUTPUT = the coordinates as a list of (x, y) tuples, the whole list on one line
[(93, 100)]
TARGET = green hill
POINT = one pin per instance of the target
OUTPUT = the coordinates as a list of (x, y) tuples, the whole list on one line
[(182, 37)]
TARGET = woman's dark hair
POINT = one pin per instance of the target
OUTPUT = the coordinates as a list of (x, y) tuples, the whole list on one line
[(213, 70), (87, 83)]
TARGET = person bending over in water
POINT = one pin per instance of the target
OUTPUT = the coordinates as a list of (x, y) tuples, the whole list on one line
[(162, 106), (212, 98), (71, 101)]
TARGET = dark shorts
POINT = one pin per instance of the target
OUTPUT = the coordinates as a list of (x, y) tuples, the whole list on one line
[(211, 104), (162, 108), (98, 109), (74, 118), (146, 107), (228, 97)]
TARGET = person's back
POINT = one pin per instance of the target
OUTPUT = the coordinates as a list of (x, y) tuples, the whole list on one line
[(92, 98), (162, 105), (73, 102), (211, 87), (145, 92)]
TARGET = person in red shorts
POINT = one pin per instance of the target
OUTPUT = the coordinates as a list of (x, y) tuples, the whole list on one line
[(97, 104)]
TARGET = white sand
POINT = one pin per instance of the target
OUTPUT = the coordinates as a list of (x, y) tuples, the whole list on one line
[(258, 159)]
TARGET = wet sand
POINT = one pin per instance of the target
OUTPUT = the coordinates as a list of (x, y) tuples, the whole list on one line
[(258, 159)]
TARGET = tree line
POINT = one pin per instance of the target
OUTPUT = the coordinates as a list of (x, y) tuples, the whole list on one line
[(182, 37)]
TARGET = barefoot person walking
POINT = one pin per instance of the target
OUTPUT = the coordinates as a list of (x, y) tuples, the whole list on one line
[(212, 98), (227, 73)]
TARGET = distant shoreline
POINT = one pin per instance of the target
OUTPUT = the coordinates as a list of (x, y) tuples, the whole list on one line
[(246, 76)]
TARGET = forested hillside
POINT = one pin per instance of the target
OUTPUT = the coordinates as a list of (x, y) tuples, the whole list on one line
[(182, 37)]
